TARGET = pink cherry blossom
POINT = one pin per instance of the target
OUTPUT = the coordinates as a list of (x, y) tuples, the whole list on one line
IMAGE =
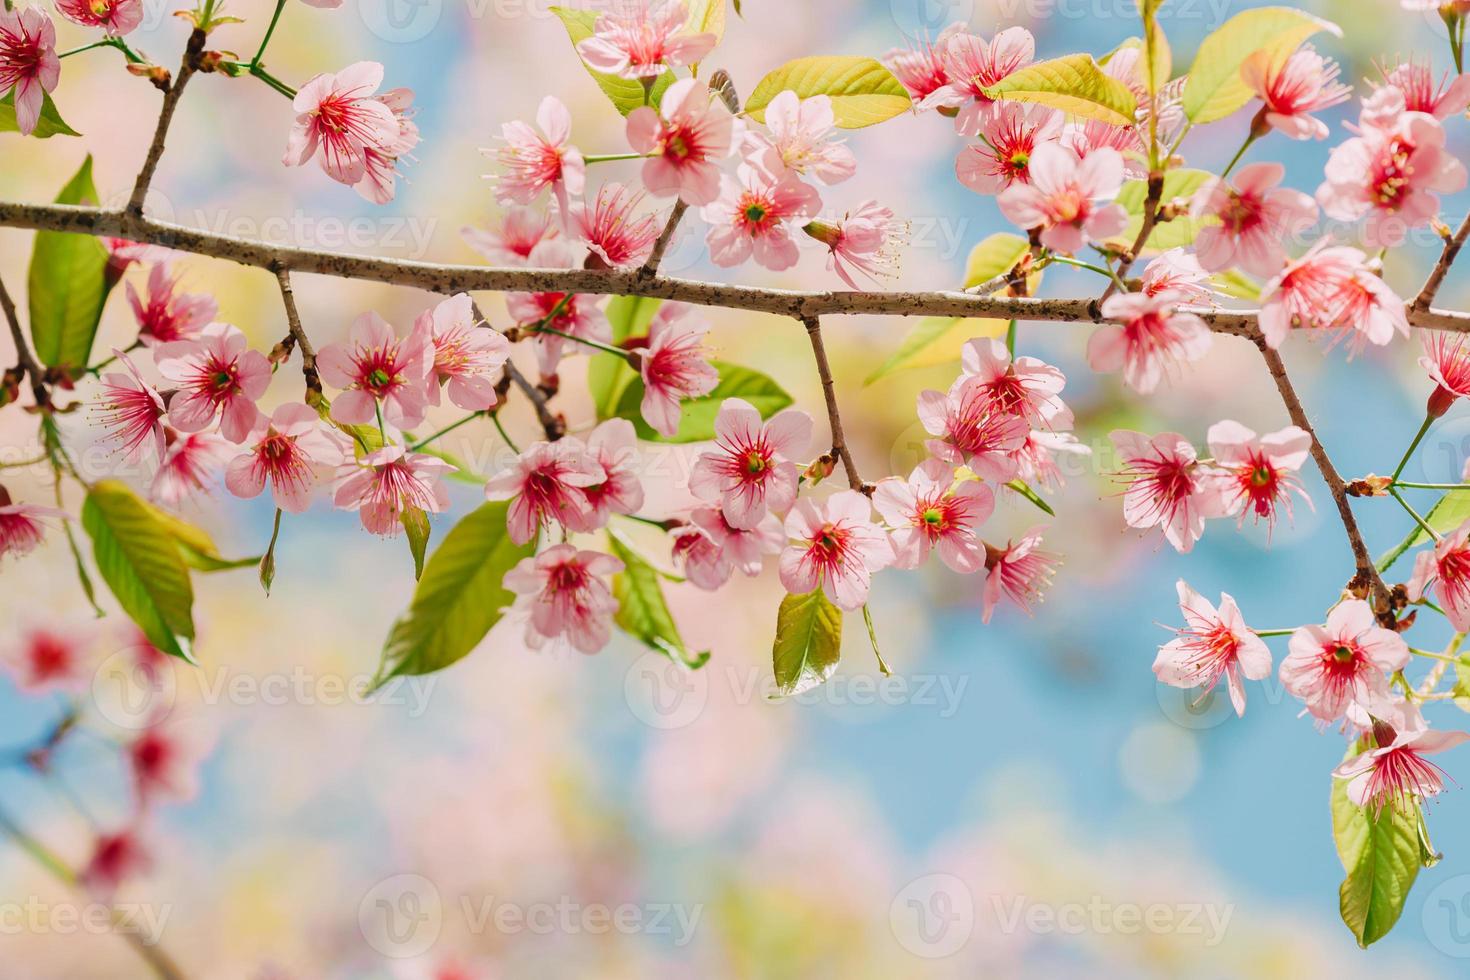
[(866, 240), (380, 161), (1026, 387), (612, 230), (1151, 339), (613, 446), (1258, 473), (1037, 459), (1392, 172), (287, 450), (547, 484), (1213, 643), (575, 313), (931, 510), (1167, 486), (1255, 217), (1302, 294), (131, 410), (835, 546), (1450, 97), (1067, 198), (385, 483), (217, 375), (22, 526), (683, 140), (188, 465), (641, 38), (564, 595), (1295, 88), (1012, 132), (339, 115), (750, 218), (1395, 773), (116, 17), (708, 549), (1345, 661), (1020, 572), (29, 67), (520, 232), (800, 140), (116, 858), (972, 429), (972, 65), (534, 162), (1447, 362), (921, 67), (1365, 309), (1179, 272), (466, 359), (45, 659), (378, 370), (169, 314), (674, 366), (164, 762), (750, 470), (1447, 567)]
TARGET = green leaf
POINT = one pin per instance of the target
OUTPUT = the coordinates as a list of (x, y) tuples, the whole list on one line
[(50, 124), (808, 642), (1073, 84), (642, 611), (697, 415), (1215, 89), (624, 93), (935, 340), (196, 547), (1232, 282), (1452, 510), (1025, 490), (707, 17), (873, 639), (863, 92), (1381, 855), (268, 561), (608, 374), (1166, 234), (994, 256), (460, 597), (416, 527), (139, 560), (67, 284)]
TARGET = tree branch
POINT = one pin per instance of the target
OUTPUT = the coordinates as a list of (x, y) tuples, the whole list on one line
[(829, 392), (293, 320), (552, 424), (23, 357), (650, 268), (165, 117), (1452, 246), (1150, 217)]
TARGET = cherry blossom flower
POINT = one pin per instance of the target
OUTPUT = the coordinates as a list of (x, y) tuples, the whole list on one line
[(708, 549), (1332, 666), (115, 858), (521, 230), (563, 593), (1167, 486), (169, 314), (1178, 272), (1255, 217), (217, 374), (1037, 458), (286, 450), (1020, 572), (1420, 93), (1295, 88), (534, 163), (1259, 472), (866, 241), (164, 761), (44, 659), (613, 446), (1151, 338), (835, 546), (1395, 773), (377, 368), (972, 429), (750, 218), (116, 17), (1393, 171), (385, 483), (576, 314), (1011, 135), (683, 141), (338, 115), (972, 65), (1447, 362), (1302, 293), (921, 68), (380, 162), (1446, 566), (750, 470), (674, 366), (1366, 310), (1067, 198), (800, 140), (1214, 643), (611, 230), (466, 358), (930, 510), (1024, 386), (23, 526), (29, 67), (640, 38), (547, 485), (132, 410), (188, 465)]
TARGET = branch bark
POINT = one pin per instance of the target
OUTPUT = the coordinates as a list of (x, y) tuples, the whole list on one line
[(552, 424), (650, 268), (1452, 246), (23, 357), (165, 117), (829, 392), (303, 343)]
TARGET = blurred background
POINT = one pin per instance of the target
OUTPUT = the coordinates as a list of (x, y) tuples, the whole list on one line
[(1018, 800)]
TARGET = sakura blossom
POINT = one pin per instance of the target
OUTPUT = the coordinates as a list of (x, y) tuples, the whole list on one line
[(1332, 289), (1443, 100), (1343, 662), (29, 67), (387, 482), (613, 448), (164, 760), (1011, 135), (1067, 198), (1213, 643), (675, 366), (116, 17), (217, 374), (547, 485), (574, 314), (750, 471), (696, 555), (1259, 472), (46, 659), (751, 217), (932, 510), (1394, 773), (972, 65), (799, 140), (1023, 386), (972, 429), (641, 38), (520, 231), (834, 546), (1020, 572), (380, 162), (1150, 340), (339, 116), (684, 141), (865, 241), (116, 858), (1293, 89), (23, 526), (378, 371), (564, 595), (1038, 459), (535, 162), (1168, 487), (288, 450), (131, 410), (1447, 362), (466, 359), (921, 67), (708, 549), (1446, 567), (188, 465), (611, 228), (1254, 217), (168, 314), (1178, 272)]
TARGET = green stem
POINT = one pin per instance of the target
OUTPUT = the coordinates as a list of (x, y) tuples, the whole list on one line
[(18, 464), (1179, 141), (1273, 632), (1414, 514), (1431, 486), (1418, 438), (382, 431), (613, 157), (1238, 154), (106, 42), (1011, 339), (272, 81), (39, 852), (495, 417), (1433, 656), (597, 344), (1108, 273), (260, 52), (445, 431)]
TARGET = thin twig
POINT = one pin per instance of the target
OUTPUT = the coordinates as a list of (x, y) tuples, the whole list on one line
[(165, 117), (829, 392), (552, 424), (293, 320), (1452, 246), (650, 268), (23, 356), (1150, 218)]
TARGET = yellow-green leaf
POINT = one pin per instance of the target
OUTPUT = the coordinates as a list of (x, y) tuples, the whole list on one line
[(995, 256), (706, 17), (697, 415), (196, 547), (643, 612), (416, 528), (1174, 233), (1381, 855), (936, 340), (863, 92), (808, 642), (67, 284), (608, 374), (1073, 84), (49, 124), (1452, 510), (1215, 89), (624, 93)]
